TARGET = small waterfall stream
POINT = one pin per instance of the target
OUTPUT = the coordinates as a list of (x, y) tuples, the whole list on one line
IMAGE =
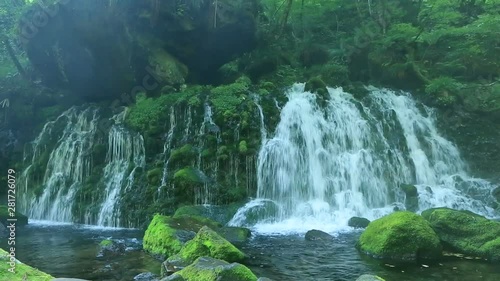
[(325, 165)]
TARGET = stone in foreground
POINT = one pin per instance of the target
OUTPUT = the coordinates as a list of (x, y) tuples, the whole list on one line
[(210, 269), (466, 232), (358, 222), (400, 236)]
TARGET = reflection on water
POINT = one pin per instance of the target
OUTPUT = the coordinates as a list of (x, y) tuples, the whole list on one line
[(70, 251), (292, 258)]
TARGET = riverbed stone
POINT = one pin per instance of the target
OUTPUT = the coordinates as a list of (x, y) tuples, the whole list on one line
[(401, 236), (146, 276), (211, 269), (22, 220), (206, 243), (358, 222), (109, 247), (264, 279), (317, 235), (466, 232), (368, 277), (21, 270)]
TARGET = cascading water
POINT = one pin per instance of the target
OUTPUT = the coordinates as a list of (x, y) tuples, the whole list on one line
[(325, 165), (167, 148), (68, 164), (125, 154)]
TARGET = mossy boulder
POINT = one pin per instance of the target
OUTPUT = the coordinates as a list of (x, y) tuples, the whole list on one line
[(466, 232), (411, 192), (206, 243), (183, 155), (22, 220), (166, 235), (211, 269), (358, 222), (22, 271), (401, 236)]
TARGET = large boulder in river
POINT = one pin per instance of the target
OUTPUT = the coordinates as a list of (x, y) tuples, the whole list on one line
[(206, 243), (210, 269), (22, 271), (466, 232), (317, 235), (165, 235), (402, 236), (411, 197)]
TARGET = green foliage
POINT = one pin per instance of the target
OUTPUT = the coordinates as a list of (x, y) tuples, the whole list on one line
[(242, 147), (227, 98), (400, 236), (183, 155), (444, 89)]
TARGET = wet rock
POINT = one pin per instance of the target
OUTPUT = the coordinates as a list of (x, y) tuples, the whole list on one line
[(358, 222), (146, 276), (264, 279), (317, 235), (400, 236), (234, 234), (466, 232), (21, 271), (68, 279), (110, 248), (411, 192), (367, 277), (174, 277), (3, 231), (22, 220), (496, 194), (206, 243), (210, 269)]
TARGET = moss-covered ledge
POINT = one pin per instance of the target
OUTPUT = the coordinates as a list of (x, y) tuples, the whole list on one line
[(21, 272)]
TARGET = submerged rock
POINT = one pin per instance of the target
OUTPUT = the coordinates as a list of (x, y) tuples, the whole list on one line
[(367, 277), (206, 243), (210, 269), (264, 279), (22, 271), (400, 236), (358, 222), (146, 276), (466, 232), (317, 235), (110, 247)]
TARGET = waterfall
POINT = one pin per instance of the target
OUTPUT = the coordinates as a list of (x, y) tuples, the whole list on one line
[(125, 154), (325, 165), (167, 148), (68, 164)]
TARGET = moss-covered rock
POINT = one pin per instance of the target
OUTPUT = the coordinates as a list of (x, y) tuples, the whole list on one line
[(165, 235), (183, 155), (234, 234), (22, 220), (210, 269), (207, 243), (358, 222), (22, 271), (466, 232), (400, 236)]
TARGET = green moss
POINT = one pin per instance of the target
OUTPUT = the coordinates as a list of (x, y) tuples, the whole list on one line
[(400, 236), (23, 272), (182, 155), (154, 176), (227, 98), (5, 214), (187, 176), (466, 232), (316, 85), (106, 243), (160, 238), (242, 147), (208, 243), (209, 269)]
